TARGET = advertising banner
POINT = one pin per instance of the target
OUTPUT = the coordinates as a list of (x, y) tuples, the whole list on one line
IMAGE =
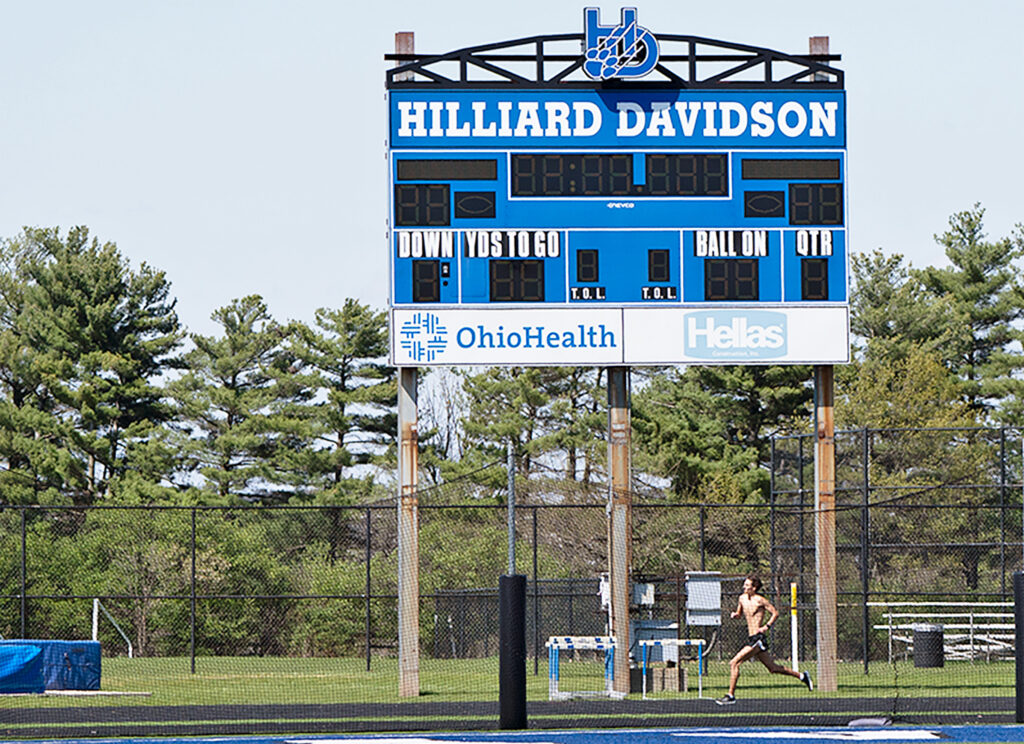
[(631, 336)]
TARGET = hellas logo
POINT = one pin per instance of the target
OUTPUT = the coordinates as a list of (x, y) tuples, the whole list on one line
[(739, 334)]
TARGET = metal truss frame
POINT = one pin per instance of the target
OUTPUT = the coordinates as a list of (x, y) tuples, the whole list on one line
[(684, 62)]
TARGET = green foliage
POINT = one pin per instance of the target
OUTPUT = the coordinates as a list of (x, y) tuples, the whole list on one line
[(240, 398), (916, 390), (354, 421), (702, 422), (988, 299), (891, 311), (543, 411), (82, 342)]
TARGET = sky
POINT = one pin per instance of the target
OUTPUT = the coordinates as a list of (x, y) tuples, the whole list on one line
[(239, 145)]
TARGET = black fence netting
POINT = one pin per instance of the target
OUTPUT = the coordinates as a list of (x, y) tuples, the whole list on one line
[(286, 619)]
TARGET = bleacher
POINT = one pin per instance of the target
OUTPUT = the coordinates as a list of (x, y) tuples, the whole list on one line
[(971, 630)]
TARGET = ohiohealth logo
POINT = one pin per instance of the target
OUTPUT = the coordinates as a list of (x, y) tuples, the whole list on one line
[(624, 51), (735, 334), (423, 337)]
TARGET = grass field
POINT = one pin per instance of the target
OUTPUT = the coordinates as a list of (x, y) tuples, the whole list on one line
[(252, 680)]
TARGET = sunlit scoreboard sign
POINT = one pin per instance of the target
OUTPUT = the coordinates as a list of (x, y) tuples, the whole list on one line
[(618, 226)]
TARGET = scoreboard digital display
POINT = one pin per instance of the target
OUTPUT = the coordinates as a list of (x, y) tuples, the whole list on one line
[(658, 206)]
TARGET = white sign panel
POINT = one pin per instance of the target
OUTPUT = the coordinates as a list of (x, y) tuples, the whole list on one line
[(619, 336), (525, 337), (731, 335)]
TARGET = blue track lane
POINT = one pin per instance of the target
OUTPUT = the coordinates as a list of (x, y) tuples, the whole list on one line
[(881, 735)]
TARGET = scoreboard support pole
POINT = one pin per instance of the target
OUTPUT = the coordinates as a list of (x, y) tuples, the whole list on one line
[(408, 537), (620, 526), (408, 502), (825, 526)]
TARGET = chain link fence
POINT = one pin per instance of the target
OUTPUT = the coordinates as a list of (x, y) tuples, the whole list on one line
[(297, 605)]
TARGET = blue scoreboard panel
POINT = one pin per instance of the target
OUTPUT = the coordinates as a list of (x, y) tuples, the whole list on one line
[(691, 226)]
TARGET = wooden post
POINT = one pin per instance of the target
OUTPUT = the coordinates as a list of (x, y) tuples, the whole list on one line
[(818, 45), (408, 538), (825, 526), (825, 499), (408, 506), (620, 527)]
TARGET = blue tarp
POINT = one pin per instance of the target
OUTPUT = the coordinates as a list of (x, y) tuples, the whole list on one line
[(66, 665), (21, 668)]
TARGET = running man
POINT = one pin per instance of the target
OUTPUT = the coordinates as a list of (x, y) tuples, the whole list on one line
[(753, 606)]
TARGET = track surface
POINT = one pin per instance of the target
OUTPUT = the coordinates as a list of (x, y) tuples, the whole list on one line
[(813, 735), (685, 716)]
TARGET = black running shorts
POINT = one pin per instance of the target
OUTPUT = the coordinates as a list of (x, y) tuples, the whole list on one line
[(758, 641)]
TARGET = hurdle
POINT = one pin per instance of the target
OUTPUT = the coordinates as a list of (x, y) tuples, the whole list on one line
[(698, 642), (581, 643)]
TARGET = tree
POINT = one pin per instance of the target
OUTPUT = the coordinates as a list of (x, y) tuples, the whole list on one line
[(681, 435), (892, 312), (506, 404), (84, 341), (356, 418), (238, 400), (442, 404), (579, 418), (548, 413), (922, 451), (915, 391), (706, 420), (987, 300)]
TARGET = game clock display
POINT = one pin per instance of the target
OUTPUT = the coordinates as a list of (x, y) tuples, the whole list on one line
[(521, 227)]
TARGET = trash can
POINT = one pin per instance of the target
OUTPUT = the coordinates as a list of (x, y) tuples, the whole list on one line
[(928, 646)]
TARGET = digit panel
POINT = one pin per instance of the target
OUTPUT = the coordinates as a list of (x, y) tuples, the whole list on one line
[(619, 175), (731, 280), (732, 266), (516, 280), (816, 204), (422, 205)]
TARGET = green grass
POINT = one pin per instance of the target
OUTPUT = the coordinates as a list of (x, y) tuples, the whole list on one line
[(233, 680)]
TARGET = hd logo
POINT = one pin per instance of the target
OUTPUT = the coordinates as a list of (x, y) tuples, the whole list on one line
[(739, 334), (623, 51)]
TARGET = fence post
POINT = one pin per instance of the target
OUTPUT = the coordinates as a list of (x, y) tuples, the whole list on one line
[(512, 652), (1002, 509), (510, 501), (865, 543), (511, 624), (1018, 609), (192, 597), (536, 601), (771, 523), (369, 533), (24, 574), (703, 562)]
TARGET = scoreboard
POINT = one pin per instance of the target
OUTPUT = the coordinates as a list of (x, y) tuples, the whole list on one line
[(621, 226)]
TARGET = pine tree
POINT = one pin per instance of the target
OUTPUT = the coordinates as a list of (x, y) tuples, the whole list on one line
[(554, 416), (355, 417), (983, 288), (892, 312), (238, 399), (700, 423), (85, 340)]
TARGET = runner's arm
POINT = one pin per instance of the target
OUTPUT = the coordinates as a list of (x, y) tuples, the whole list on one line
[(770, 609)]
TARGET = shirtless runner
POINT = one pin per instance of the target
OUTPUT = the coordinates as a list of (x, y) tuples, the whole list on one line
[(752, 607)]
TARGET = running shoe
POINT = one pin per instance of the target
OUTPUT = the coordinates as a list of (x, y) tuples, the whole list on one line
[(806, 679), (726, 700)]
